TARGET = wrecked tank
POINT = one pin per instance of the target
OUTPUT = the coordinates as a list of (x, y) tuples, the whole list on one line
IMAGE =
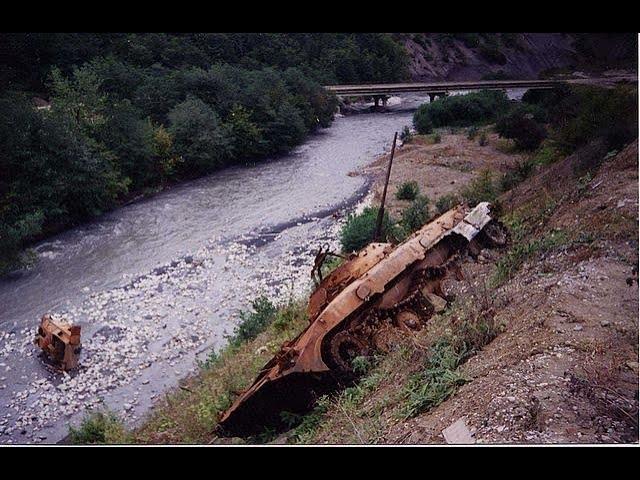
[(60, 341), (375, 295)]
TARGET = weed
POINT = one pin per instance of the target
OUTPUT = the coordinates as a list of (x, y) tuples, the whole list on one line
[(415, 215), (481, 189), (211, 360), (446, 202), (546, 154), (286, 316), (405, 135), (359, 230), (98, 428), (583, 183), (434, 383), (407, 191), (506, 146), (511, 262), (254, 322), (521, 172), (440, 377), (309, 423), (361, 365)]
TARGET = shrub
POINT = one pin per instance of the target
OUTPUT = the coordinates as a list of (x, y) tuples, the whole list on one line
[(286, 316), (422, 121), (481, 189), (435, 382), (359, 230), (522, 251), (520, 173), (483, 141), (407, 191), (525, 131), (416, 214), (405, 135), (460, 110), (539, 113), (547, 153), (546, 98), (199, 136), (437, 138), (472, 132), (446, 202), (592, 112), (98, 428), (255, 321)]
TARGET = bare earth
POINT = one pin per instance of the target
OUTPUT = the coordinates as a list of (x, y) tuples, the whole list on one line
[(440, 168)]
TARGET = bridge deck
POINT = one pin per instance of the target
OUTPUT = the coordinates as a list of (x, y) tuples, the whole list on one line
[(437, 87)]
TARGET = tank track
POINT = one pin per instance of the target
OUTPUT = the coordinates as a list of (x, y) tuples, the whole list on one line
[(374, 330)]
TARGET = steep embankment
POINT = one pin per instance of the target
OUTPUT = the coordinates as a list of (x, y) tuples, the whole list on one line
[(466, 56), (557, 313)]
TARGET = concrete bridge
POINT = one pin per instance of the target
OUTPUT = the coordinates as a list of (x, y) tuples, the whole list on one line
[(439, 89)]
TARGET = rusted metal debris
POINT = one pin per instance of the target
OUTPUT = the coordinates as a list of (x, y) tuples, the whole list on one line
[(358, 310), (60, 341)]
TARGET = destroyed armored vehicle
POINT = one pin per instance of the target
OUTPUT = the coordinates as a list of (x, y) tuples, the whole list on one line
[(60, 341), (358, 310)]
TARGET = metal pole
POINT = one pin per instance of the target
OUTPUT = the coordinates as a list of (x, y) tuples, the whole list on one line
[(378, 232)]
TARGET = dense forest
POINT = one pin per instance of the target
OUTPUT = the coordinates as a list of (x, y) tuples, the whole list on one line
[(88, 120)]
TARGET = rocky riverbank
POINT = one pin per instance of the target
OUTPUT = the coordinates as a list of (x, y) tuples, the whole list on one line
[(143, 337)]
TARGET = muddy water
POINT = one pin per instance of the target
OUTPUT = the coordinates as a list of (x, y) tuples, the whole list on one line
[(157, 284)]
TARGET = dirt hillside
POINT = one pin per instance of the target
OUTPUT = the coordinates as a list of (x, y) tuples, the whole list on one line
[(564, 366)]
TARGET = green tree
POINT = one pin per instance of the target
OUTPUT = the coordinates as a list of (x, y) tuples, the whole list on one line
[(199, 137), (245, 137)]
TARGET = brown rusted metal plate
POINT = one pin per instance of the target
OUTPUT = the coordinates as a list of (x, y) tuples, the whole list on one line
[(342, 276)]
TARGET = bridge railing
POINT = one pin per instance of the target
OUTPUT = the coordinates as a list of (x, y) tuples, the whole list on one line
[(438, 88)]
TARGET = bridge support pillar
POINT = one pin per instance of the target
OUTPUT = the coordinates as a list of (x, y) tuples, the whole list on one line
[(378, 98)]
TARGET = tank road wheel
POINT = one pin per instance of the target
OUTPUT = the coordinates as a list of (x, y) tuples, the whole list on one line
[(343, 348), (495, 235), (409, 321), (387, 338)]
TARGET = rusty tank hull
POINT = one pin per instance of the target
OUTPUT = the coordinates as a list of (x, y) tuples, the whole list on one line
[(60, 341), (358, 310)]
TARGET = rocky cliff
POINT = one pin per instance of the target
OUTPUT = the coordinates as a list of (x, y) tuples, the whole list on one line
[(472, 56)]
